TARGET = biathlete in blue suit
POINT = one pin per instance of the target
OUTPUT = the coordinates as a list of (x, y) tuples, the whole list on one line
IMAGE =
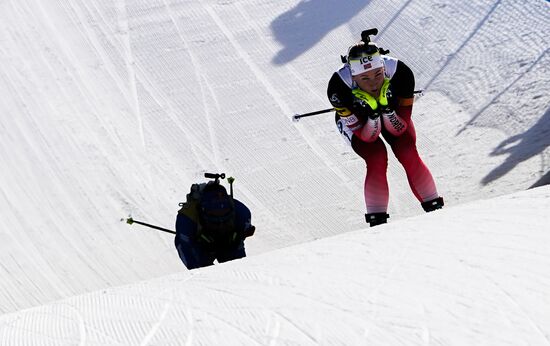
[(211, 225)]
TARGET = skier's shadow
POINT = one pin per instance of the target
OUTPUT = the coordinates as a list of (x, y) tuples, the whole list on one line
[(305, 25), (521, 147)]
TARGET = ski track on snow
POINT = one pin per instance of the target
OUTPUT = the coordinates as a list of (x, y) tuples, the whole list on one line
[(124, 27), (502, 92), (471, 35), (127, 88), (262, 78), (58, 243), (147, 339), (518, 308), (82, 255), (312, 91), (202, 79)]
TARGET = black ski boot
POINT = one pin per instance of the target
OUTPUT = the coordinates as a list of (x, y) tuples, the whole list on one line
[(375, 219), (432, 205)]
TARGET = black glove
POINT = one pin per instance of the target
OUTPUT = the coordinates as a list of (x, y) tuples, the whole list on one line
[(249, 231), (366, 103)]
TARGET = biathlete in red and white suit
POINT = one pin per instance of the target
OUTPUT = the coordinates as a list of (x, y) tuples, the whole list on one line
[(373, 96)]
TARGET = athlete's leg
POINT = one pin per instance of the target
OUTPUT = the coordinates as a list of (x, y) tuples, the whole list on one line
[(376, 182), (420, 179)]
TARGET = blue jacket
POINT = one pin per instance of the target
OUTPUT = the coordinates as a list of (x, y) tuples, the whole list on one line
[(196, 253)]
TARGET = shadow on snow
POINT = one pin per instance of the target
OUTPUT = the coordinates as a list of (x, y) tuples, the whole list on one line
[(305, 25)]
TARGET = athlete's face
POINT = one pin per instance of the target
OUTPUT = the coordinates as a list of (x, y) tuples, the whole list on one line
[(370, 81)]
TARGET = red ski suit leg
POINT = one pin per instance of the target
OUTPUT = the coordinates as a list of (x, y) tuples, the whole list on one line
[(376, 181), (376, 159)]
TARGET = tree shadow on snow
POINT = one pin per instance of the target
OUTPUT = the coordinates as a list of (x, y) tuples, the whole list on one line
[(521, 147), (305, 25)]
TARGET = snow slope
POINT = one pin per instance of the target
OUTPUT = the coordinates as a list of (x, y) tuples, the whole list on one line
[(113, 108), (476, 274)]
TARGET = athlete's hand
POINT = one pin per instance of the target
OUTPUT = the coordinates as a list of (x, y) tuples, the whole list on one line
[(360, 94), (367, 102), (393, 123)]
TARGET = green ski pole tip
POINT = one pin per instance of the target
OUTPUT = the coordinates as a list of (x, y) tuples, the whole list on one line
[(129, 221), (230, 180)]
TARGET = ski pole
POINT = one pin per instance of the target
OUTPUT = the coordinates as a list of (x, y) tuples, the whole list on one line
[(231, 180), (131, 221), (296, 117)]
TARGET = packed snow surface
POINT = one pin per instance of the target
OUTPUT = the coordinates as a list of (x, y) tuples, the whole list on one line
[(112, 109)]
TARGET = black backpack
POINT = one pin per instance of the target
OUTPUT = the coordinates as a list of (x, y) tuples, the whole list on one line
[(216, 207), (213, 209)]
